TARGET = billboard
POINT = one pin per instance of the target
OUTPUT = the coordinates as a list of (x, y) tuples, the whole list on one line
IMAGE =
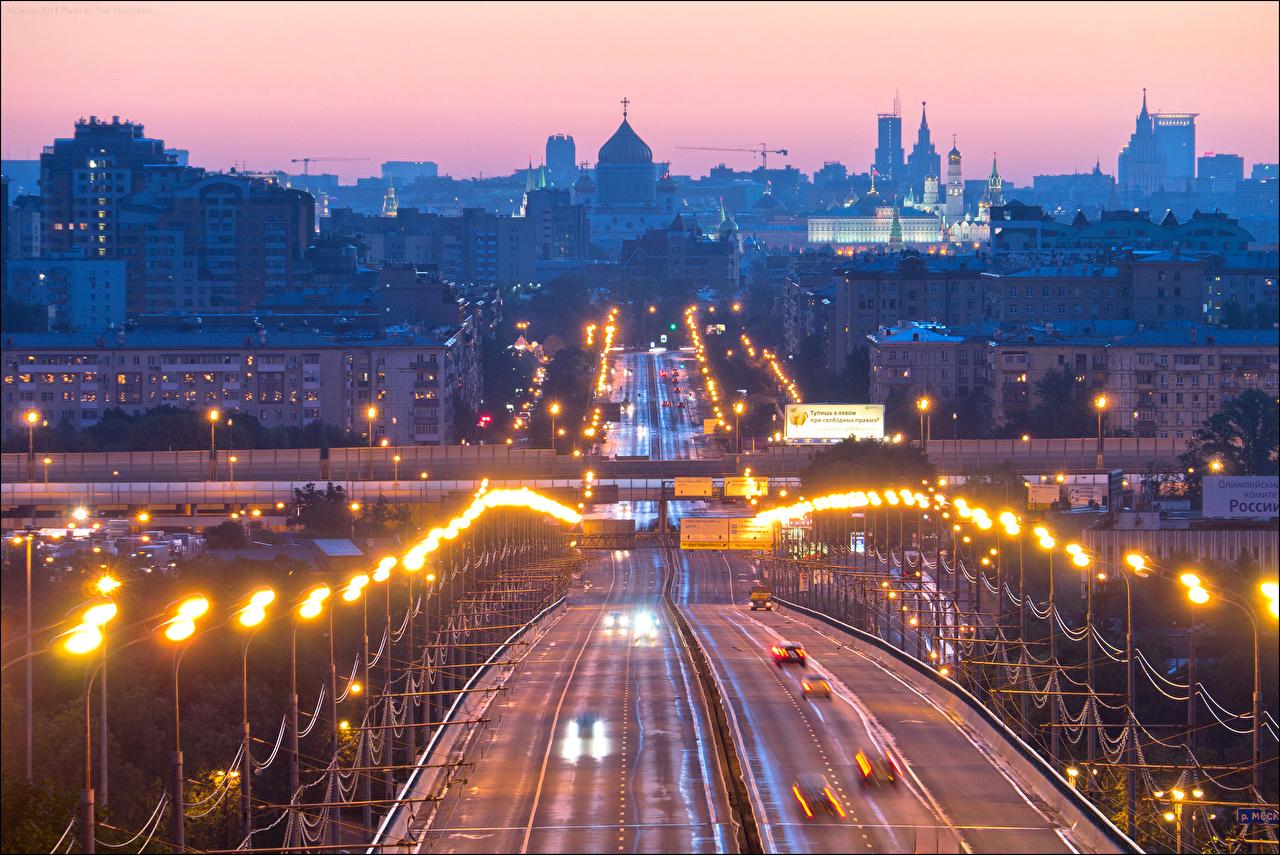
[(709, 425), (725, 533), (747, 533), (831, 423), (696, 487), (1241, 496), (745, 486), (1041, 496), (704, 533)]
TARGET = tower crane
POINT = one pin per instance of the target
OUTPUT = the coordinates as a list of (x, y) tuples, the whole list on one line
[(761, 149), (307, 161)]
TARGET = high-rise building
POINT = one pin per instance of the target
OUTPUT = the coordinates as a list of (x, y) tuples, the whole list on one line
[(925, 160), (1176, 142), (562, 159), (1141, 166), (954, 209), (85, 179), (888, 162), (1219, 173)]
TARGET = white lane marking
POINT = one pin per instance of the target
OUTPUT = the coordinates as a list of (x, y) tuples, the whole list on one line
[(555, 719), (991, 759), (766, 827)]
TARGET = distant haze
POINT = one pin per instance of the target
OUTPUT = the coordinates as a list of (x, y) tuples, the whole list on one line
[(478, 87)]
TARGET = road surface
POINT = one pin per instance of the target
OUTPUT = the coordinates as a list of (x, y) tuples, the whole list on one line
[(603, 744), (648, 428), (955, 796)]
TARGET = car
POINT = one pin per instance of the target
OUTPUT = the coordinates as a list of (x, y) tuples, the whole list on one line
[(666, 403), (788, 653), (680, 406), (878, 768), (646, 626), (613, 619), (815, 685), (815, 793)]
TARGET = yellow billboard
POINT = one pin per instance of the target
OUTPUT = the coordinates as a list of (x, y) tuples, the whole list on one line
[(695, 487), (745, 486), (709, 425), (725, 533)]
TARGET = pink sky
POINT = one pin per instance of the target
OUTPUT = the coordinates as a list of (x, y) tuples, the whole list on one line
[(479, 87)]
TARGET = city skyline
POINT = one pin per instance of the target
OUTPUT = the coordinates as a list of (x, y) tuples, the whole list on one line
[(489, 115)]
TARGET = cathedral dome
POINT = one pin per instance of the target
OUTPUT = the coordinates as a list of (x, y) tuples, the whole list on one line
[(625, 146)]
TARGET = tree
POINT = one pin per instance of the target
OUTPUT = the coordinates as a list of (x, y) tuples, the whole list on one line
[(865, 465), (226, 535), (1243, 436), (321, 512), (18, 316), (1062, 406)]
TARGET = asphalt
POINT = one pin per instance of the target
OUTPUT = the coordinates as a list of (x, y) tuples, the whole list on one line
[(955, 796), (603, 744), (648, 428)]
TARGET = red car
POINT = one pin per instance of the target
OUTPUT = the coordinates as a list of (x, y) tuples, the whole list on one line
[(787, 653)]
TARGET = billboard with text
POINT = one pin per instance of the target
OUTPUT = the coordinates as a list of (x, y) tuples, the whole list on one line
[(831, 423)]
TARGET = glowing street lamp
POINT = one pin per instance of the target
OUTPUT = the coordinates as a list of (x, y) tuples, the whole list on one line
[(1100, 403), (179, 629)]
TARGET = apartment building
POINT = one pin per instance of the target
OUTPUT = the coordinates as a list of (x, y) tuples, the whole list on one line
[(283, 379)]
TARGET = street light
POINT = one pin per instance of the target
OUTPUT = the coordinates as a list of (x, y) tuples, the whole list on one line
[(1099, 404), (179, 629), (922, 405), (250, 617), (371, 413), (738, 407), (232, 463), (47, 461), (32, 418), (308, 608), (29, 712), (395, 463), (554, 410), (82, 640)]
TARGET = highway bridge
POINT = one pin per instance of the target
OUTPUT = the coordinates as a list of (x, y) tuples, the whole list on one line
[(640, 709)]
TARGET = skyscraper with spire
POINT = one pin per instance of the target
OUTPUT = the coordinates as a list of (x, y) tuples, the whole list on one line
[(1141, 167), (924, 160)]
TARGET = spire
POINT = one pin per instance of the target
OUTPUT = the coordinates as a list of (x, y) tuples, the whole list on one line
[(995, 173), (626, 102), (924, 120), (1144, 113), (955, 152)]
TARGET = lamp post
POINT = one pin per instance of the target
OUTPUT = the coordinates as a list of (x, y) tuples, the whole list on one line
[(32, 418), (213, 416), (355, 509), (105, 586), (922, 406), (231, 462), (179, 629), (1047, 543), (250, 616), (47, 461), (395, 463), (554, 410), (738, 407), (370, 414), (1099, 404), (85, 638), (352, 591), (310, 607), (29, 712), (1140, 568)]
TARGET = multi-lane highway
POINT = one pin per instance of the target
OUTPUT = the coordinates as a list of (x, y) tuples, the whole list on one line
[(655, 425), (603, 744), (955, 796)]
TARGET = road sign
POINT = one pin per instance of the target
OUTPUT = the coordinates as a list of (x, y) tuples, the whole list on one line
[(1257, 816), (746, 533), (698, 487), (745, 486), (704, 533), (1043, 496), (709, 426)]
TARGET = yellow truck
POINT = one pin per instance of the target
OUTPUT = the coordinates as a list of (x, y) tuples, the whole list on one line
[(761, 598)]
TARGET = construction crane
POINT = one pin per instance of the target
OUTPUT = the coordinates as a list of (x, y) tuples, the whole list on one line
[(307, 161), (761, 149)]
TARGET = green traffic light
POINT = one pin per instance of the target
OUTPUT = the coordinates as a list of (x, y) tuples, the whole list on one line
[(672, 327)]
